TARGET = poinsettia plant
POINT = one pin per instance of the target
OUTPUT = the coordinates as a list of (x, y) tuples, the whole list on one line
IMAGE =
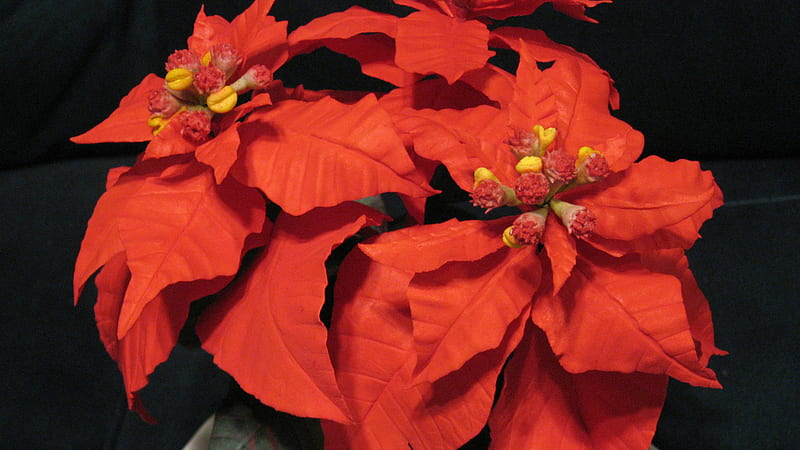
[(563, 280)]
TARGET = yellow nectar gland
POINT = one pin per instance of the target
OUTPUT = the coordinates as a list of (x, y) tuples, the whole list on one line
[(583, 153), (157, 123), (482, 174), (546, 136), (223, 100), (206, 59), (529, 164), (179, 79), (508, 238)]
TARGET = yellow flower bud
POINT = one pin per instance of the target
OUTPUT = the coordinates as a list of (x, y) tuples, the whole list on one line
[(223, 100), (546, 136), (508, 239), (157, 123), (179, 79), (481, 174), (529, 164), (584, 153)]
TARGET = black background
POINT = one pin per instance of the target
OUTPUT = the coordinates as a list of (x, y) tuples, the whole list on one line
[(715, 81)]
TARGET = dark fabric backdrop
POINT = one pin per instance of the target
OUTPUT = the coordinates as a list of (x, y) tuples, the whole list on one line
[(708, 80)]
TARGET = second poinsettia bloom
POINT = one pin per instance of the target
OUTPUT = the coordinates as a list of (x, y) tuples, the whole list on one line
[(559, 280)]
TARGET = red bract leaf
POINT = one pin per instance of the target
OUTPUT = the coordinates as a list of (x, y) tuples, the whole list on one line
[(128, 123), (208, 32), (502, 9), (445, 414), (266, 330), (462, 141), (303, 155), (543, 406), (543, 49), (561, 251), (364, 35), (582, 92), (533, 102), (431, 43), (169, 142), (114, 174), (681, 235), (577, 8), (651, 195), (260, 38), (429, 247), (101, 240), (674, 262), (365, 356), (152, 338), (614, 315), (174, 224), (495, 83), (221, 152), (434, 93), (340, 25), (465, 308), (376, 54)]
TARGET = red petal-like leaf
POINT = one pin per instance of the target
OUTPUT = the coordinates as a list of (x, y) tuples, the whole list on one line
[(365, 356), (208, 32), (101, 240), (674, 262), (543, 406), (542, 48), (533, 102), (169, 142), (114, 174), (266, 330), (259, 37), (465, 308), (502, 9), (495, 83), (462, 141), (340, 25), (445, 414), (153, 336), (428, 247), (364, 35), (615, 315), (176, 226), (220, 153), (651, 195), (376, 54), (577, 8), (303, 155), (681, 235), (128, 123), (582, 92), (435, 93), (431, 43), (561, 251)]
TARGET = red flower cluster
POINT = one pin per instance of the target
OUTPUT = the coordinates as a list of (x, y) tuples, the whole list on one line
[(580, 296)]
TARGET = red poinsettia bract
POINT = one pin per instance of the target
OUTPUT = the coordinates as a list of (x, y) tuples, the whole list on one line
[(449, 38), (586, 283)]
